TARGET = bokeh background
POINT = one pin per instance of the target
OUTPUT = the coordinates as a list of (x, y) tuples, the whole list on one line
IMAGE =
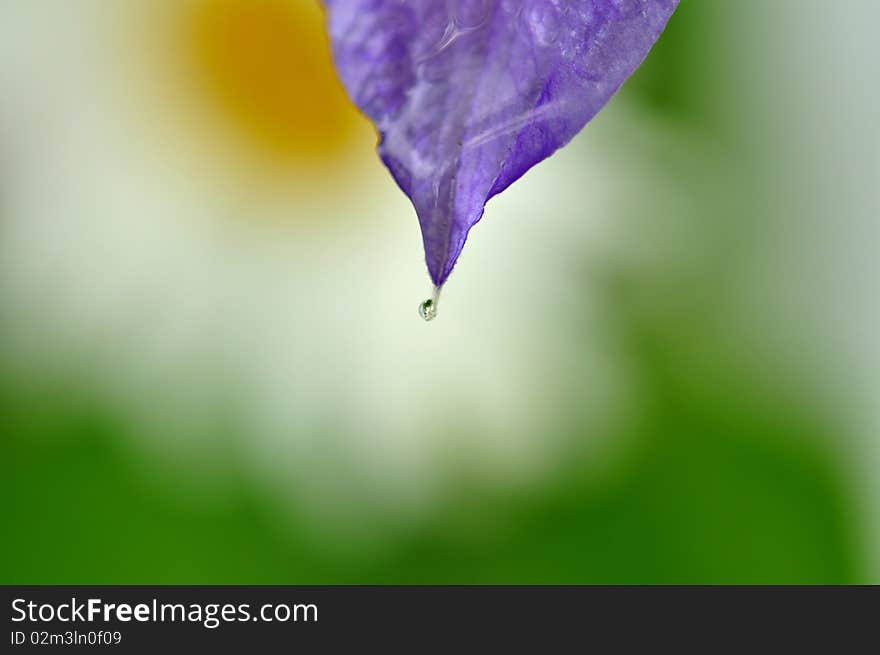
[(656, 362)]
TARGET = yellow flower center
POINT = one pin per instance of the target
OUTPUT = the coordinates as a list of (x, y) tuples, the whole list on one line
[(263, 68)]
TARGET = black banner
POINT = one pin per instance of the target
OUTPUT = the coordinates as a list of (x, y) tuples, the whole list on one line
[(413, 619)]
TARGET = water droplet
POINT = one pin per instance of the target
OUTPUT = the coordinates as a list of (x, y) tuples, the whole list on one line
[(428, 309), (543, 21)]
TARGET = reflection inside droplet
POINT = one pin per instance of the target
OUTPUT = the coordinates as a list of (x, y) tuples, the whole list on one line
[(428, 309)]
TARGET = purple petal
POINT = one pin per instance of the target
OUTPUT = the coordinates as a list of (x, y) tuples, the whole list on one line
[(467, 95)]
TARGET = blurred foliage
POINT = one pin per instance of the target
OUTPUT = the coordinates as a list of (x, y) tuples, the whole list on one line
[(675, 77), (719, 488)]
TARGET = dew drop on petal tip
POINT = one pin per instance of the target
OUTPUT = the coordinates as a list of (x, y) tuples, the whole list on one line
[(428, 309)]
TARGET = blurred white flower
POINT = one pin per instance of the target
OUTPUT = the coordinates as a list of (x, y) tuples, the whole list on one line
[(197, 225)]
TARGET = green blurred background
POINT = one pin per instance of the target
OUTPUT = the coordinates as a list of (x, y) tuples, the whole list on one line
[(656, 362)]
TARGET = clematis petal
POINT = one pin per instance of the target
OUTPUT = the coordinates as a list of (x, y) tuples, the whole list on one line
[(467, 95)]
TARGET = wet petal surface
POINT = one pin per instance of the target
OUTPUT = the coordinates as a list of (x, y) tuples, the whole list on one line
[(467, 95)]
